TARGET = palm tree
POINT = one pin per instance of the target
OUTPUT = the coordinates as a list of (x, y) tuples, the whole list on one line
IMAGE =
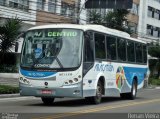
[(8, 35)]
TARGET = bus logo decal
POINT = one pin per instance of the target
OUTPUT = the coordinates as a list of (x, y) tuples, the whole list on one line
[(120, 77)]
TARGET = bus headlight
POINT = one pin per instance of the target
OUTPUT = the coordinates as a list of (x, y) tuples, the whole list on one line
[(75, 79), (71, 81), (24, 81)]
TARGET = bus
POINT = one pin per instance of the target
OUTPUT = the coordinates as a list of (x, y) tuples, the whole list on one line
[(81, 61)]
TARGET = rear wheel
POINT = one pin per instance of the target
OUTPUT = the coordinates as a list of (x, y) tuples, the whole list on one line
[(132, 95), (47, 100), (96, 99)]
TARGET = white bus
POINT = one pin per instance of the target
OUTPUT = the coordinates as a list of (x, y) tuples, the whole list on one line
[(83, 61)]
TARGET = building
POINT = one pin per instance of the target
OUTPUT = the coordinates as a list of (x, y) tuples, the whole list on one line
[(133, 18), (39, 12), (149, 20), (143, 19)]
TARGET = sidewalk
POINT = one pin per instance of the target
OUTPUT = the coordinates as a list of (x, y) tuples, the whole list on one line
[(9, 79), (9, 95)]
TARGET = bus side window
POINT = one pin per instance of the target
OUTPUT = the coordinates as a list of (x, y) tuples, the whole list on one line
[(138, 47), (130, 51), (88, 47), (144, 54), (121, 49), (88, 52), (100, 46), (111, 48)]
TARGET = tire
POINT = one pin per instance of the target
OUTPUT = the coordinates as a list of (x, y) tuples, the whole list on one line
[(96, 99), (47, 101), (132, 95)]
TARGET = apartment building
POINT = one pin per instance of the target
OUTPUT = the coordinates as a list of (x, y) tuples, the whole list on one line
[(39, 12), (149, 20)]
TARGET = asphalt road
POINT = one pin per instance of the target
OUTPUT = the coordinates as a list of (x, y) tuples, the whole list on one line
[(147, 103)]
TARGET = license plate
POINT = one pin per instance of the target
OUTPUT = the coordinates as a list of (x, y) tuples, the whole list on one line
[(46, 91)]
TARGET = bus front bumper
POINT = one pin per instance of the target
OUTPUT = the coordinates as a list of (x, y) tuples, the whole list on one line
[(65, 91)]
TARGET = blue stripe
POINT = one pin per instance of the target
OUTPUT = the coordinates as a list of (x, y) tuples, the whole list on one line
[(36, 74), (131, 72)]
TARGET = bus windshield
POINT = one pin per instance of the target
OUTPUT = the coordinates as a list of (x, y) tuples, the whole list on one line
[(52, 48)]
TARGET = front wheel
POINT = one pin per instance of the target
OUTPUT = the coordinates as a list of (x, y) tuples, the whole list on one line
[(47, 101), (96, 99)]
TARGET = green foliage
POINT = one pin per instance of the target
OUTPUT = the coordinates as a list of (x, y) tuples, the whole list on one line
[(113, 19), (154, 81), (4, 89), (8, 69), (154, 51), (95, 17), (8, 34), (116, 18)]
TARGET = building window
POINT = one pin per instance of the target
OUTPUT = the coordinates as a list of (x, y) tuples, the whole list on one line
[(100, 46), (155, 31), (64, 8), (149, 30), (40, 4), (19, 4), (67, 10), (2, 2), (150, 12), (52, 6), (156, 14)]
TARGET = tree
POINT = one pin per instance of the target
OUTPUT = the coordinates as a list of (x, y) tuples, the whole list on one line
[(154, 51), (8, 35), (95, 17), (113, 19), (116, 19)]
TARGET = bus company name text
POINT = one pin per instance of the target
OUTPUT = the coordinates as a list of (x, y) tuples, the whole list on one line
[(104, 67)]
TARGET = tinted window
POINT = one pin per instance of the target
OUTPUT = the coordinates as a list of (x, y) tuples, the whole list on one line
[(100, 46), (130, 51), (111, 47), (121, 48), (139, 53), (144, 54), (88, 48)]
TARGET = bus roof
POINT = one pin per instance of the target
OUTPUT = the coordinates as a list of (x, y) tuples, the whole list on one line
[(98, 28)]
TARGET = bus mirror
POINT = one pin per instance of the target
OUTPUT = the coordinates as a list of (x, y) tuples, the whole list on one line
[(21, 35)]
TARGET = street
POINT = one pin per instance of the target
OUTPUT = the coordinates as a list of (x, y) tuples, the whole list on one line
[(148, 101)]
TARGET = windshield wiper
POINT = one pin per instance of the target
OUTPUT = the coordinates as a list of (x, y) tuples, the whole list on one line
[(60, 64)]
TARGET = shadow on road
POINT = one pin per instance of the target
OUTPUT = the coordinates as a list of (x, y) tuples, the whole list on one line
[(78, 102)]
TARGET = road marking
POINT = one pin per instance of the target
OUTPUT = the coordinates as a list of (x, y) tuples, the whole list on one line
[(96, 109)]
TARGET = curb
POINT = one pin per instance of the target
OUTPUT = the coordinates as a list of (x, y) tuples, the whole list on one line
[(9, 95), (157, 87)]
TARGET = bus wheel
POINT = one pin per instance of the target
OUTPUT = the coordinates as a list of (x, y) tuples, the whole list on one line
[(96, 99), (47, 100), (132, 95)]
